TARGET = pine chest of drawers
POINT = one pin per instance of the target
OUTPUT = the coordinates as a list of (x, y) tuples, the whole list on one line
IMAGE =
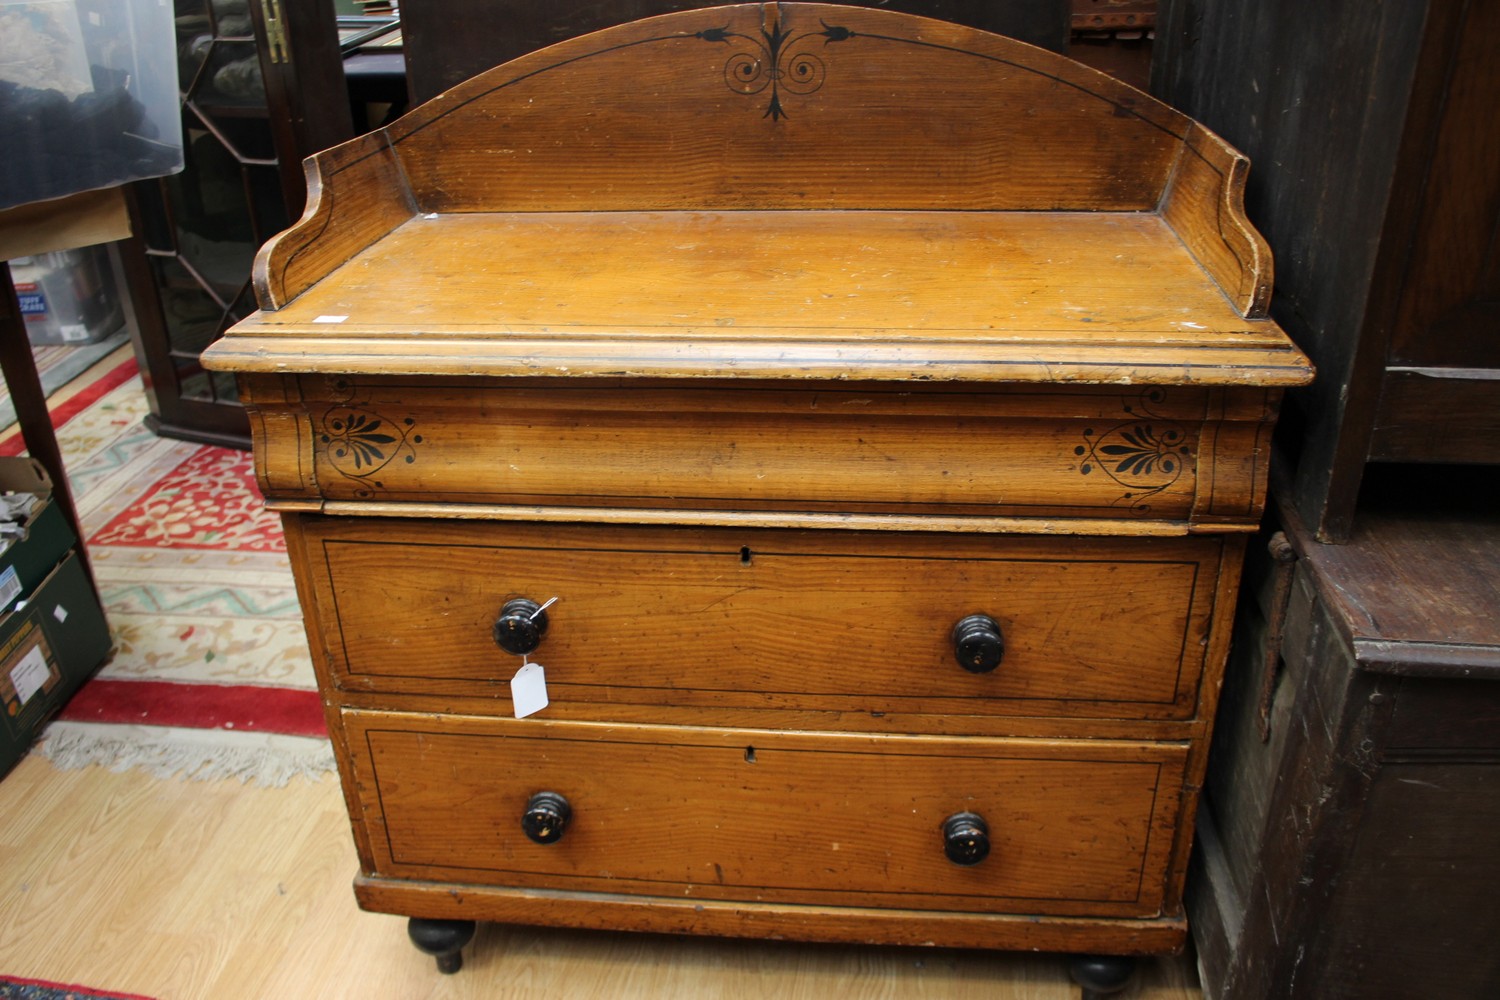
[(857, 417)]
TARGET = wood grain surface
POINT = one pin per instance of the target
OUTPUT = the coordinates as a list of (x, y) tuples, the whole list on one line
[(756, 816), (782, 116), (978, 296), (1102, 628), (1183, 455)]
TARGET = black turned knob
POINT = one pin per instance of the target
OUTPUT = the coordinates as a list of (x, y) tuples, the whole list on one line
[(546, 817), (978, 644), (966, 838), (521, 625)]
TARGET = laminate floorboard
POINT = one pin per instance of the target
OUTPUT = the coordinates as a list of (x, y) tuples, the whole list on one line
[(185, 889)]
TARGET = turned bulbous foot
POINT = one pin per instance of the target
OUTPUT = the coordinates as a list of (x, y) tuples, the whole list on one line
[(1101, 976), (442, 939)]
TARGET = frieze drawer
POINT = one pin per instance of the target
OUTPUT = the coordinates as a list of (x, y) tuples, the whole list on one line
[(973, 825), (1027, 625), (1183, 454)]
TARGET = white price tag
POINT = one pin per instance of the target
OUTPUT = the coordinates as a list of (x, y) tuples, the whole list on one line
[(528, 690), (30, 675)]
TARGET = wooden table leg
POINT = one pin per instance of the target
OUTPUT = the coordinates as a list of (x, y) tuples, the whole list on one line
[(30, 401)]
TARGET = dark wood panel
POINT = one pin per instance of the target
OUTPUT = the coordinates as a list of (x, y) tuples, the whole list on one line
[(1241, 778), (1439, 414), (1462, 714), (1422, 567), (1419, 899), (306, 94), (1314, 97), (1450, 302), (448, 41)]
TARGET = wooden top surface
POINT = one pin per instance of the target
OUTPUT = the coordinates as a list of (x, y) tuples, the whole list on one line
[(777, 191), (985, 296)]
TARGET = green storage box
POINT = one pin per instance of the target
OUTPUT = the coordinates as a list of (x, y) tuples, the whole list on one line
[(49, 645)]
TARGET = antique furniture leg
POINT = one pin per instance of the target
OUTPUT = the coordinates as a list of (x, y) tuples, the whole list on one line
[(442, 939), (30, 401), (1101, 975)]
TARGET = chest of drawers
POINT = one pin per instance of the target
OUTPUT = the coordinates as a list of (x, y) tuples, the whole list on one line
[(858, 418)]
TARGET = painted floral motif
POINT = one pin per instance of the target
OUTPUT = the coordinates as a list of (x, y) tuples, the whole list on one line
[(359, 443), (779, 61), (1140, 453), (1146, 455)]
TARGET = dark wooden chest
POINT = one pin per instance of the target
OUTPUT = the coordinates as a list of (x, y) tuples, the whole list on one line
[(1352, 852)]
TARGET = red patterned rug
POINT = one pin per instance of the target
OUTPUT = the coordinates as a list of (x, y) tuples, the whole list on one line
[(210, 675)]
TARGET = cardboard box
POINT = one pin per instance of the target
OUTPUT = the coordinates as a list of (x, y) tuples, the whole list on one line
[(49, 646), (28, 559)]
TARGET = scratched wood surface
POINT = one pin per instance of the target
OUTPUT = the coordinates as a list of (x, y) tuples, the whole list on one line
[(900, 296), (1046, 277), (1079, 828), (724, 618), (1082, 459)]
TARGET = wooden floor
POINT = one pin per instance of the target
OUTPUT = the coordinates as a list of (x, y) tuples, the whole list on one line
[(182, 889)]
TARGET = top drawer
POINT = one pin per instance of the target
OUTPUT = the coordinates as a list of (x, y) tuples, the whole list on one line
[(818, 620), (1180, 454)]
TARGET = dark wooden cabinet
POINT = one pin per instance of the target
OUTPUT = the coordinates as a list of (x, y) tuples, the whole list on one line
[(1347, 835), (1377, 184), (262, 87), (1348, 823)]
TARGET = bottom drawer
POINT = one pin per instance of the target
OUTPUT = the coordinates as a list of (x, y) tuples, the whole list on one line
[(1072, 827)]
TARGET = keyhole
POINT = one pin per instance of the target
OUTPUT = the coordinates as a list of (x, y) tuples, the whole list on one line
[(745, 556), (749, 755)]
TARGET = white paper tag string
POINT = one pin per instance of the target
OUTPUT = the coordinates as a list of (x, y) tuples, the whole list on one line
[(528, 689)]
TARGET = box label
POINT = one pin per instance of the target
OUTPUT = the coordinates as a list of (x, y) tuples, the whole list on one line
[(30, 675), (10, 586), (33, 302)]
